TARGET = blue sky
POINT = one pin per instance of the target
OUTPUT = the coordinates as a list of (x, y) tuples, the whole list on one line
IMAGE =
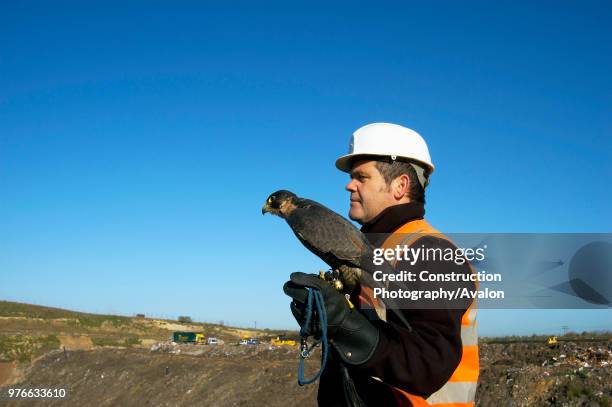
[(138, 142)]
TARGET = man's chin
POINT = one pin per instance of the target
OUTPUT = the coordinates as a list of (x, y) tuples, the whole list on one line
[(355, 217)]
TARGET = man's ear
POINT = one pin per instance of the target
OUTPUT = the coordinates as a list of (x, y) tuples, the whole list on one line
[(400, 186)]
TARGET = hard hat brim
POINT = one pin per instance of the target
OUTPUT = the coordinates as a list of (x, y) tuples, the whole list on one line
[(345, 163)]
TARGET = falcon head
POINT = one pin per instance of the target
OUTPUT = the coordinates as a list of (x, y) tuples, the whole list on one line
[(280, 203)]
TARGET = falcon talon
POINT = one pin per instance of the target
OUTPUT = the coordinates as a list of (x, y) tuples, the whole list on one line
[(332, 278)]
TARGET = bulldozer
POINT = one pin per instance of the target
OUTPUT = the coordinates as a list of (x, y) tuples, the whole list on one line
[(552, 342), (282, 340)]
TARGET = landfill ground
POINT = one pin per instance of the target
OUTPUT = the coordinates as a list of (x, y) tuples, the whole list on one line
[(131, 362), (245, 376), (577, 373)]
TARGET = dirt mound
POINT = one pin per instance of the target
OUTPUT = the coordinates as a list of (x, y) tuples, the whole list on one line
[(71, 342), (172, 326), (8, 372), (137, 377)]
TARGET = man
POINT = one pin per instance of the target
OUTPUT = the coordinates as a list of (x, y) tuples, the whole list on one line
[(434, 360)]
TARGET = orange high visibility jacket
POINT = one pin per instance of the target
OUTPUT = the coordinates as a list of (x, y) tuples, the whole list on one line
[(460, 389)]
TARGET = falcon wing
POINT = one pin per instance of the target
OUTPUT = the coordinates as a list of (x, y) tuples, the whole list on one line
[(327, 234)]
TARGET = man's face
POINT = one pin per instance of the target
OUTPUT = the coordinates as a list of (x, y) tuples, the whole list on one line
[(369, 193)]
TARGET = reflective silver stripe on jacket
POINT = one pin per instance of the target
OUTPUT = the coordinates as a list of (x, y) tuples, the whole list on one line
[(454, 392), (469, 335)]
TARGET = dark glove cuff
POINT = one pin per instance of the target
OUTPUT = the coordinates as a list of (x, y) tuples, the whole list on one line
[(356, 344)]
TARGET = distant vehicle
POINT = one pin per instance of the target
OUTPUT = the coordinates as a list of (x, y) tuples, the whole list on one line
[(189, 337), (248, 341), (282, 340), (212, 341)]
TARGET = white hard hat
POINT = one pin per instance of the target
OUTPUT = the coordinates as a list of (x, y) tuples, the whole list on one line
[(389, 140)]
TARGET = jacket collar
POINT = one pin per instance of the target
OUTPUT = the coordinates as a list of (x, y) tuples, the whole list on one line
[(390, 219)]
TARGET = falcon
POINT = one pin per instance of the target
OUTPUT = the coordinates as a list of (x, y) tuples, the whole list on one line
[(333, 238), (325, 233)]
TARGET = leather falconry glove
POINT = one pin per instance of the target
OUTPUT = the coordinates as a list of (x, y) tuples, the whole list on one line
[(353, 335)]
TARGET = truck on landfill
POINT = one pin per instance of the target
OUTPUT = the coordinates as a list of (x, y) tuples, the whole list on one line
[(189, 337)]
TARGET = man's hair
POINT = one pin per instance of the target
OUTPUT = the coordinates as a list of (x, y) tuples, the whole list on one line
[(393, 169)]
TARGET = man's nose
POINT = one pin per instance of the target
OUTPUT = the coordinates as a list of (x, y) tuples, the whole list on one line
[(351, 186)]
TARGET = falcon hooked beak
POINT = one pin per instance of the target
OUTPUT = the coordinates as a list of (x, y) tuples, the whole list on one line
[(280, 203), (266, 208)]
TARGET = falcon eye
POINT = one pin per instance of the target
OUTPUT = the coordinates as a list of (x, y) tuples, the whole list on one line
[(270, 200)]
